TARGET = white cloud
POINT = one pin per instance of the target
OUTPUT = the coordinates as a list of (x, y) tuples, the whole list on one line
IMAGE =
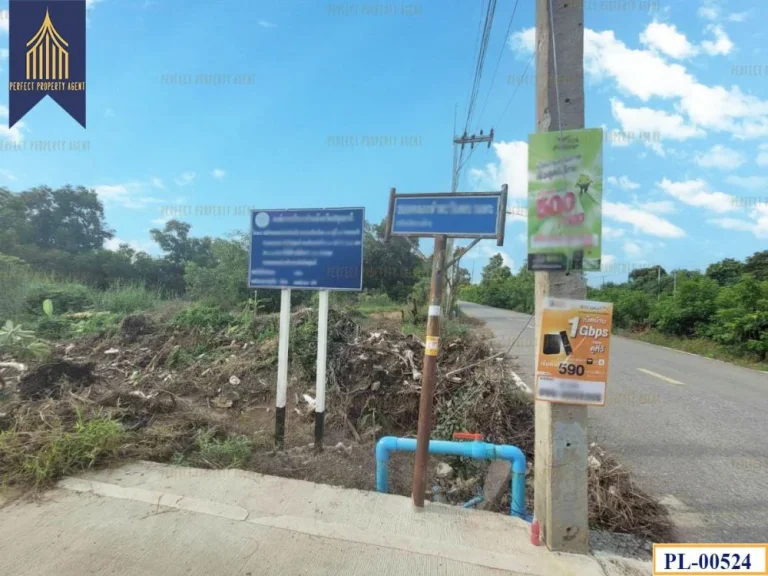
[(218, 173), (658, 207), (659, 124), (157, 183), (162, 220), (721, 45), (762, 156), (607, 262), (113, 244), (623, 182), (4, 53), (130, 195), (266, 24), (12, 134), (4, 20), (512, 170), (720, 157), (523, 41), (666, 39), (708, 12), (697, 193), (759, 227), (610, 233), (646, 74), (642, 220), (749, 182), (486, 251), (109, 113), (633, 249), (738, 16), (185, 179), (6, 174)]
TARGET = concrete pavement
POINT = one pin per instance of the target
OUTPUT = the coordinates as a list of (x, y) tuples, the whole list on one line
[(147, 519), (692, 430)]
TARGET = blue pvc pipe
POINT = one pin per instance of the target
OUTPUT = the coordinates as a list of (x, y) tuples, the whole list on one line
[(477, 450), (475, 501)]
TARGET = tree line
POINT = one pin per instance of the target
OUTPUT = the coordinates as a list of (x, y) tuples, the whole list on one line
[(62, 233), (727, 304)]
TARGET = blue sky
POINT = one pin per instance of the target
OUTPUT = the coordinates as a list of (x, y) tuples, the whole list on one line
[(330, 104)]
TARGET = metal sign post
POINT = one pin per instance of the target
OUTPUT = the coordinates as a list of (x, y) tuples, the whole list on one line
[(309, 249), (475, 215)]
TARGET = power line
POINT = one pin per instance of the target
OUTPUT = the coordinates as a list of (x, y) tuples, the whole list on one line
[(509, 102), (480, 61), (498, 60)]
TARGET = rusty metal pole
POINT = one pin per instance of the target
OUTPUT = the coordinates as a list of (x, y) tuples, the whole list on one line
[(429, 374)]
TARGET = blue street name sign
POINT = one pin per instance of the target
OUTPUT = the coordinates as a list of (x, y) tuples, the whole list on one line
[(313, 249), (478, 215)]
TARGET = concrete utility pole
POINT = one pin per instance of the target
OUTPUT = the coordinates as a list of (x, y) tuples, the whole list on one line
[(453, 270), (560, 503)]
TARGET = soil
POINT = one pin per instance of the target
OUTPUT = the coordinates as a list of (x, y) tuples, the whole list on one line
[(165, 383)]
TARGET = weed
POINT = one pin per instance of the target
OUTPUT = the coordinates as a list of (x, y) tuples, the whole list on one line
[(96, 323), (216, 453), (54, 328), (126, 298), (64, 296), (21, 343), (205, 318), (373, 303), (42, 458)]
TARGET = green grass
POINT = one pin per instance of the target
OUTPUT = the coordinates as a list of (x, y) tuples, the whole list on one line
[(41, 458), (204, 317), (126, 298), (376, 303), (212, 452), (699, 346), (418, 330)]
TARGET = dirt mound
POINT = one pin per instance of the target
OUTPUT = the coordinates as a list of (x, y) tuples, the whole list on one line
[(136, 325), (45, 380)]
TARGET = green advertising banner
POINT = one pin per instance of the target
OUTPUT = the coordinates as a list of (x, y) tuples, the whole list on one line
[(565, 195)]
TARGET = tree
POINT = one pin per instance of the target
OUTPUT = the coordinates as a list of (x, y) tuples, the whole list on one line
[(180, 248), (757, 265), (726, 272), (394, 267), (67, 219), (495, 271)]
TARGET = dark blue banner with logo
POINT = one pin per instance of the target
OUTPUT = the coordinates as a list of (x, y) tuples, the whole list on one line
[(46, 56)]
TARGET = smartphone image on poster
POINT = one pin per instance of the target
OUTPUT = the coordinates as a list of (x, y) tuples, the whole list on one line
[(566, 343), (552, 344)]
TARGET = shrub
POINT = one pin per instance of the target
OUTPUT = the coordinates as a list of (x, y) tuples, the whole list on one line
[(127, 298), (204, 317), (65, 296)]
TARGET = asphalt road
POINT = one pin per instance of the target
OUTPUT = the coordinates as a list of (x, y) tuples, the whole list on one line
[(693, 431)]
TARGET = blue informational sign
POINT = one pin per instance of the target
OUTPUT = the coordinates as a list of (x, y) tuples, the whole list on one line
[(456, 215), (314, 249)]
